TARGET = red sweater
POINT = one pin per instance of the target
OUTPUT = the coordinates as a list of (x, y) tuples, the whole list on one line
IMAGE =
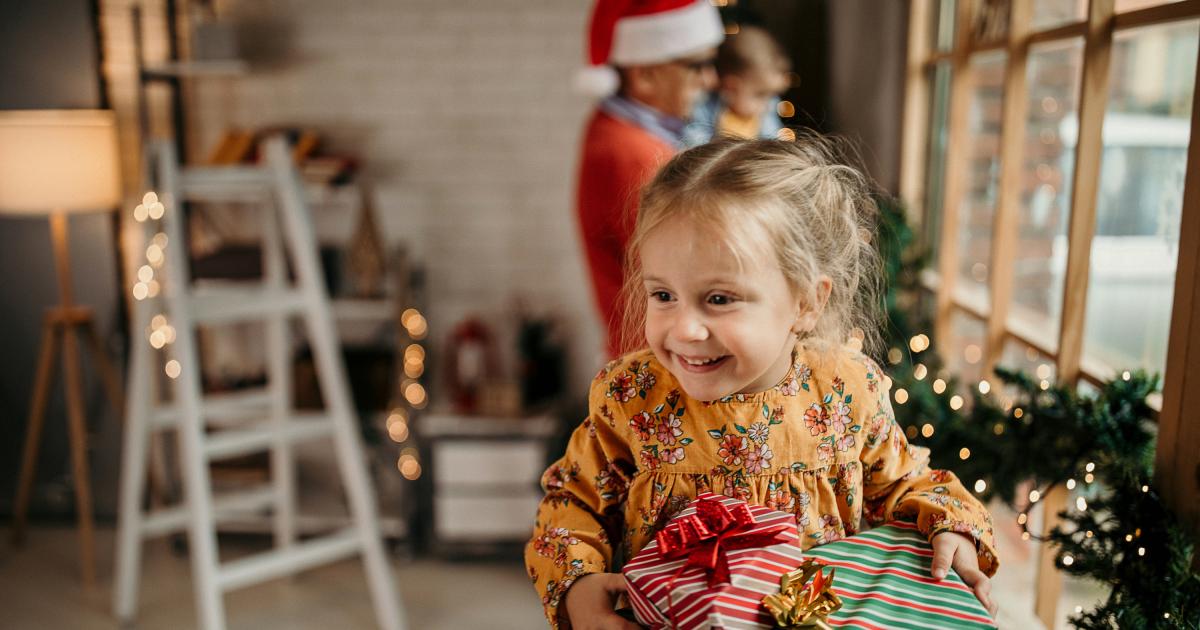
[(618, 159)]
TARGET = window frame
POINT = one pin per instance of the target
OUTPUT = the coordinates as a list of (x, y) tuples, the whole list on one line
[(1178, 454)]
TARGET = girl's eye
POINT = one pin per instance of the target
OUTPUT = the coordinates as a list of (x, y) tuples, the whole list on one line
[(660, 296), (720, 300)]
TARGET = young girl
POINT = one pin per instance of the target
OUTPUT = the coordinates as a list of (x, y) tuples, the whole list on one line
[(751, 268)]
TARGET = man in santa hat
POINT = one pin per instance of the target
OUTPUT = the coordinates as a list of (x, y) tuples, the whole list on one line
[(651, 60)]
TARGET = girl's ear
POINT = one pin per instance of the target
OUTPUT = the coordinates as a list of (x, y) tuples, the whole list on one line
[(809, 311)]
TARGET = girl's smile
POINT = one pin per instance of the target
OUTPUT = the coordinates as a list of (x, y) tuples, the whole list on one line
[(700, 366)]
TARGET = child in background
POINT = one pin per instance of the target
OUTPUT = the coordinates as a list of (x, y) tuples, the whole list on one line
[(753, 282), (752, 71)]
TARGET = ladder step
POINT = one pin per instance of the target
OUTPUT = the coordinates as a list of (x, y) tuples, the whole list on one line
[(233, 302), (235, 442), (230, 406), (289, 560), (225, 183), (167, 520)]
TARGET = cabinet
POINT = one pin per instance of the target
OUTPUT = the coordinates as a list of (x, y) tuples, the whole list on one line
[(483, 473)]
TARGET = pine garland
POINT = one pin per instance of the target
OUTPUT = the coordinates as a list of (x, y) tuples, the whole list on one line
[(1124, 536)]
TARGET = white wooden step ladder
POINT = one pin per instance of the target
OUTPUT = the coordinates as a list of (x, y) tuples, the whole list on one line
[(214, 427)]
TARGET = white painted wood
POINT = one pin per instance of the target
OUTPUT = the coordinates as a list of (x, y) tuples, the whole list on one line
[(279, 374), (254, 420), (134, 456), (480, 462), (233, 304), (236, 442), (202, 536), (169, 520), (331, 373), (456, 517), (280, 562), (229, 407)]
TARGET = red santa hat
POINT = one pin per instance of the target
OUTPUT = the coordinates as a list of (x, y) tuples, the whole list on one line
[(642, 32)]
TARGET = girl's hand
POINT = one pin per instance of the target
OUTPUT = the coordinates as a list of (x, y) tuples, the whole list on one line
[(590, 602), (956, 550)]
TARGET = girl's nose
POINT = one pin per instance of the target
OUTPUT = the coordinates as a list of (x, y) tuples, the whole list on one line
[(688, 327)]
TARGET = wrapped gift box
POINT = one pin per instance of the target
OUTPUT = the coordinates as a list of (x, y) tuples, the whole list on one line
[(678, 580), (882, 576), (884, 580)]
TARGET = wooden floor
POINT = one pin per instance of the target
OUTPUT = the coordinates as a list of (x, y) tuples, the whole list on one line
[(40, 589)]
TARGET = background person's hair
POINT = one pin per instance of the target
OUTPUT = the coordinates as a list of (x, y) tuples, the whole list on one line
[(752, 49), (800, 199)]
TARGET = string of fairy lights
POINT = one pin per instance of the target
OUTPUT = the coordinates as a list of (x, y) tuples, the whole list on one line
[(160, 334), (920, 343), (412, 393)]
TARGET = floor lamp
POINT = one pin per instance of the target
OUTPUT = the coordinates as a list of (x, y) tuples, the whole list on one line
[(58, 163)]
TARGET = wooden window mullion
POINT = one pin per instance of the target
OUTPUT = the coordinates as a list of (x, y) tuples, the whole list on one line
[(915, 129), (1012, 159), (1157, 14), (1093, 100), (953, 179)]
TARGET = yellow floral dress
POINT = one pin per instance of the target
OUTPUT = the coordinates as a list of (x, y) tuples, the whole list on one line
[(822, 444)]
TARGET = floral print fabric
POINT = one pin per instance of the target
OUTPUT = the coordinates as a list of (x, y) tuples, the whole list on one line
[(823, 444)]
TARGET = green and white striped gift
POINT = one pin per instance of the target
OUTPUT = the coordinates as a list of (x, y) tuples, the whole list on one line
[(884, 579)]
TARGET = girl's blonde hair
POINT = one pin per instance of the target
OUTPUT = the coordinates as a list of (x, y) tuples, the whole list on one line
[(800, 199)]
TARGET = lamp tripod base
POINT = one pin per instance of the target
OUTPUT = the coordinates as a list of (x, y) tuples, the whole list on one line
[(59, 328)]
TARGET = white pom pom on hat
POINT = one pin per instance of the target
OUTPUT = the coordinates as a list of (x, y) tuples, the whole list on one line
[(642, 32), (597, 81)]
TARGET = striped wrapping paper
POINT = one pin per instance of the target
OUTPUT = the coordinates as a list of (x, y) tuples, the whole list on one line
[(754, 573), (883, 578)]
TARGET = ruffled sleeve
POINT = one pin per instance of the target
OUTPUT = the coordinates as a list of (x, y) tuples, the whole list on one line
[(899, 485), (582, 511)]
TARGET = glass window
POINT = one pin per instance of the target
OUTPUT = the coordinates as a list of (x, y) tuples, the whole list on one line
[(964, 352), (1018, 356), (942, 29), (982, 174), (1052, 74), (1140, 196), (1048, 14), (1123, 6), (989, 20), (936, 170)]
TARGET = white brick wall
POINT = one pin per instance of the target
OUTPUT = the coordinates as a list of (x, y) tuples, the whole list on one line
[(463, 115)]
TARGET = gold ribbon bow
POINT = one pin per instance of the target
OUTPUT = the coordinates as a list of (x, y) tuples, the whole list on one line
[(805, 598)]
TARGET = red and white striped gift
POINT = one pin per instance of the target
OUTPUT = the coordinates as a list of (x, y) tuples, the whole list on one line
[(667, 593)]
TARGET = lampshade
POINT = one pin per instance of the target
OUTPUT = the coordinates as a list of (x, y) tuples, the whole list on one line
[(58, 160)]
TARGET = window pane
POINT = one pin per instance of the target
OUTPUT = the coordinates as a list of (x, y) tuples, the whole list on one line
[(1140, 196), (1048, 14), (935, 175), (1122, 6), (982, 171), (989, 20), (1053, 73), (964, 351), (943, 25), (1018, 356)]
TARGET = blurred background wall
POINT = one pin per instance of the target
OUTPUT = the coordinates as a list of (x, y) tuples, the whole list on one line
[(462, 115), (49, 59)]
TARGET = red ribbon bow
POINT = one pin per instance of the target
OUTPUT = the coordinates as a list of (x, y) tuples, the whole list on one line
[(706, 536)]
